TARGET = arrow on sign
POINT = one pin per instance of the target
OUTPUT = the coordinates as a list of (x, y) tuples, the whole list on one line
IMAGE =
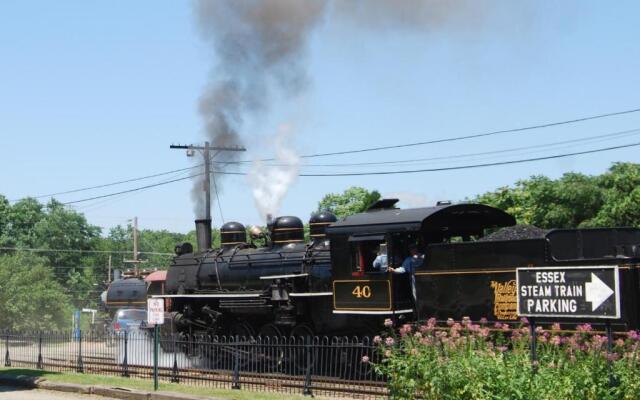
[(597, 292)]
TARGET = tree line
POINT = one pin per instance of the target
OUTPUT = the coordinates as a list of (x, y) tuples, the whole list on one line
[(52, 260)]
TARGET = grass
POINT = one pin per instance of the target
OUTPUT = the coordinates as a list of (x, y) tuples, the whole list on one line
[(147, 385)]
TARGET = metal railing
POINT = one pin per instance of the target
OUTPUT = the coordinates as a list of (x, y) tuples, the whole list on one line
[(327, 366)]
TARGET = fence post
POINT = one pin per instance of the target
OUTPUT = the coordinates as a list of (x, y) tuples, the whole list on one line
[(125, 359), (7, 360), (534, 345), (80, 364), (307, 379), (174, 370), (236, 364), (612, 379), (39, 366), (156, 329)]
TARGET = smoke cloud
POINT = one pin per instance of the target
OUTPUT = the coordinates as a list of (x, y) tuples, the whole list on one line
[(271, 183), (259, 46)]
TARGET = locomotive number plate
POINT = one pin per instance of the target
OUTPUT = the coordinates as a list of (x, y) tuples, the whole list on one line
[(362, 295)]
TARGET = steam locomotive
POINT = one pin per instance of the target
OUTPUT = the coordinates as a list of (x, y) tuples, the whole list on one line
[(328, 285)]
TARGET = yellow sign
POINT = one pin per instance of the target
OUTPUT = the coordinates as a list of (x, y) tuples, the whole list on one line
[(505, 303)]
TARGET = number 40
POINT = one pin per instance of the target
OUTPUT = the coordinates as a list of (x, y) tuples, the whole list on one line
[(362, 291)]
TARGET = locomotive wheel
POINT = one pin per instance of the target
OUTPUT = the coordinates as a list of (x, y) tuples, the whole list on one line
[(271, 348), (243, 330), (298, 353)]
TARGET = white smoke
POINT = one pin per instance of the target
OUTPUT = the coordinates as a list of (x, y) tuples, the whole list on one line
[(271, 181)]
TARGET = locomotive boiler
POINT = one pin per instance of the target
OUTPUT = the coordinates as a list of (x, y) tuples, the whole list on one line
[(330, 285)]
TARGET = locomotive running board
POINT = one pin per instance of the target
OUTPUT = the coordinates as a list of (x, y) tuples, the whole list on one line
[(310, 294), (283, 276), (407, 311), (210, 295)]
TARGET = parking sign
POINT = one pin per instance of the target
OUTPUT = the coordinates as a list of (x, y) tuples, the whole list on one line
[(155, 311)]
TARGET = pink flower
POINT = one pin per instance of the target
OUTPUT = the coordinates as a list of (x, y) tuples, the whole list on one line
[(497, 325), (620, 343), (450, 321), (417, 335), (405, 329), (388, 323), (466, 321), (505, 327), (365, 359), (431, 322), (377, 339), (483, 320), (389, 341), (584, 328), (501, 349), (484, 332), (555, 327), (633, 335), (524, 320), (555, 340)]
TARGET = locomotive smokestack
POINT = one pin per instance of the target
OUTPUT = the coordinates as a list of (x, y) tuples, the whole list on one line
[(203, 234)]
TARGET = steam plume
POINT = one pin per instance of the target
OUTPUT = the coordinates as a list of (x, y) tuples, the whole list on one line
[(270, 184), (259, 46)]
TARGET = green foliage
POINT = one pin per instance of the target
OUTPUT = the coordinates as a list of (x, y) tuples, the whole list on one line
[(352, 201), (574, 200), (475, 361), (30, 297)]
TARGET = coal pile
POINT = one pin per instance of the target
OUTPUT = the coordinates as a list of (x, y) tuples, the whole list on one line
[(516, 232)]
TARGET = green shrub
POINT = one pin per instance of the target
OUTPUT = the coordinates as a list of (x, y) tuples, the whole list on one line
[(476, 361)]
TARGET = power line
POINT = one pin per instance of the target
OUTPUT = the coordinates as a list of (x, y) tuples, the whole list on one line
[(82, 251), (514, 130), (380, 172), (473, 136), (476, 165), (591, 139), (132, 190), (112, 183)]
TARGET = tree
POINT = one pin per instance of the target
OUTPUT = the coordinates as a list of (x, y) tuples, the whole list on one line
[(30, 297), (574, 200), (352, 201)]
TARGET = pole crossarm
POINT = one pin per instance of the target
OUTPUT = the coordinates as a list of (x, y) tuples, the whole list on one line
[(217, 148)]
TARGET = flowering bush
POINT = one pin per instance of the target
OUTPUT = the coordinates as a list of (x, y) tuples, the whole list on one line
[(465, 360)]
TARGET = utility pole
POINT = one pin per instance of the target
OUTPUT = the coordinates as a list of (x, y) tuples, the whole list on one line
[(135, 260), (109, 270), (206, 154)]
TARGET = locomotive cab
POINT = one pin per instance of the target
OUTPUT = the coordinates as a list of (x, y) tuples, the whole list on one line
[(367, 247)]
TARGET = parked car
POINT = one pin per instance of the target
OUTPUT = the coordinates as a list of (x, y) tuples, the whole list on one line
[(127, 320)]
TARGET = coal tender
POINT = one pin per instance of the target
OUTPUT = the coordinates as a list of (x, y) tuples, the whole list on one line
[(332, 284)]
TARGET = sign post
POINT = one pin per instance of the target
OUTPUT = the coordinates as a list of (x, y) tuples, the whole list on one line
[(155, 317), (589, 292)]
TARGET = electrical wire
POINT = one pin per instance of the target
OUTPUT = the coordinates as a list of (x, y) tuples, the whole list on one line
[(112, 183), (133, 190), (476, 165), (464, 137), (35, 250)]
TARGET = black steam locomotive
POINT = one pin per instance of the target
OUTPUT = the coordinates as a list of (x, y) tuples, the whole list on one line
[(329, 285)]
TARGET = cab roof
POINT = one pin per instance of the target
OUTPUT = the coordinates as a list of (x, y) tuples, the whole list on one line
[(463, 217)]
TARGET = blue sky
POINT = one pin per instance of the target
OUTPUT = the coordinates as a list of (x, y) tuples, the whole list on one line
[(92, 93)]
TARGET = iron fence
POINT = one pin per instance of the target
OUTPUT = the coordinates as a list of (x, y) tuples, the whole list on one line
[(327, 366)]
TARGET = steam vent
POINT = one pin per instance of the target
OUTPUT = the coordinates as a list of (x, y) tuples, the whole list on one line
[(287, 230), (232, 233), (319, 222)]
